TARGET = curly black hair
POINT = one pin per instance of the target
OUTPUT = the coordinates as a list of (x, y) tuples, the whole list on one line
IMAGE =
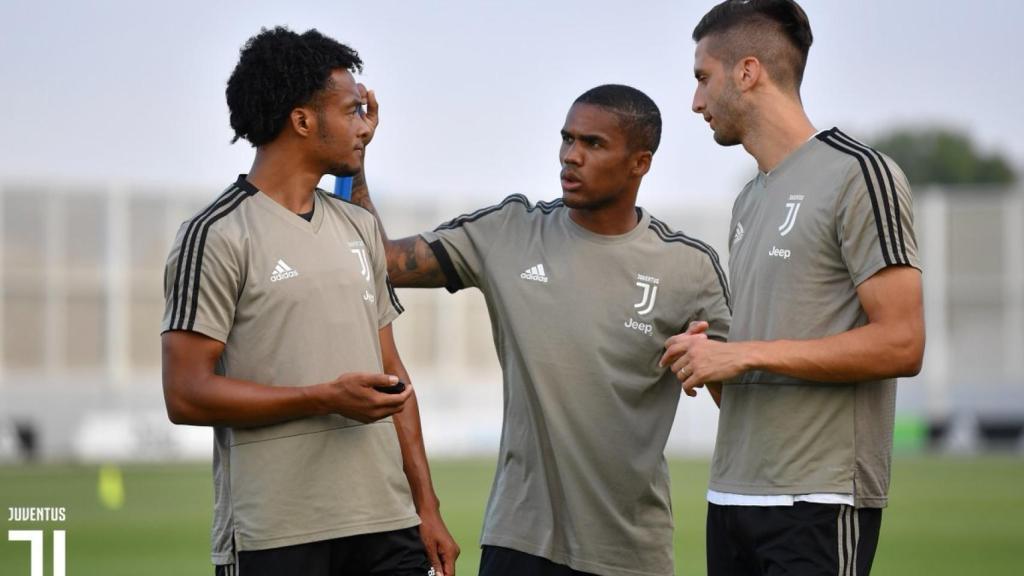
[(277, 71), (638, 114)]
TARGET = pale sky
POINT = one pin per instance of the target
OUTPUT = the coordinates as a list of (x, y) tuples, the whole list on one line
[(473, 93)]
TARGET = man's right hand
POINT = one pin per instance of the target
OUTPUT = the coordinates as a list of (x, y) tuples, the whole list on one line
[(353, 395), (372, 115)]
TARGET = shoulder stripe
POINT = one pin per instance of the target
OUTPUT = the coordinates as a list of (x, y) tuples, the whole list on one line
[(472, 216), (199, 254), (393, 295), (892, 190), (545, 207), (549, 206), (196, 243), (829, 137), (888, 193), (668, 235), (186, 249)]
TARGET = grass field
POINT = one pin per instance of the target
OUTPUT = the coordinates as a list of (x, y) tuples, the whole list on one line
[(948, 516)]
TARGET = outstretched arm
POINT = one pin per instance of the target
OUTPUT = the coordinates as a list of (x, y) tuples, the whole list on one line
[(891, 344), (411, 262)]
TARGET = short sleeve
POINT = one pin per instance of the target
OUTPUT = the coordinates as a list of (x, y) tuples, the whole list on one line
[(202, 280), (713, 299), (460, 245), (388, 305), (875, 219)]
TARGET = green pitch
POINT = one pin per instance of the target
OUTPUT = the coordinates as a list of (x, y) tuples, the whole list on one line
[(948, 516)]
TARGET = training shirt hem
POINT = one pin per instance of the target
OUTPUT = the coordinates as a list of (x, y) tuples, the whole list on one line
[(781, 489), (248, 545), (564, 558), (204, 329)]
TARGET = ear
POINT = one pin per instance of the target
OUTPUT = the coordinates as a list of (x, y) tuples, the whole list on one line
[(303, 121), (641, 163), (747, 73)]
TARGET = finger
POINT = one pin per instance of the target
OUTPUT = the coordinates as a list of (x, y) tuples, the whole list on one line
[(448, 561), (681, 362), (432, 556), (674, 351), (394, 402), (691, 384), (362, 90), (697, 327), (372, 107), (370, 380)]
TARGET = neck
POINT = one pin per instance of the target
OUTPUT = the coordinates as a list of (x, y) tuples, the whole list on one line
[(611, 220), (777, 131), (284, 178)]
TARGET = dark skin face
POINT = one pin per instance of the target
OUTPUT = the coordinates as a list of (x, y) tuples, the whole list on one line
[(341, 125), (599, 167), (716, 97)]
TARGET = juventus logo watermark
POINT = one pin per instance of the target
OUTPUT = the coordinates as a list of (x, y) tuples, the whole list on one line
[(650, 286), (36, 538), (363, 262), (793, 207)]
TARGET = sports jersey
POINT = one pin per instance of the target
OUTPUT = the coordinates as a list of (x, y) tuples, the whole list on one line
[(830, 216), (579, 323), (295, 303)]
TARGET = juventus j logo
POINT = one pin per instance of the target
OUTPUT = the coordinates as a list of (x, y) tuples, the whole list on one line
[(794, 208), (364, 268), (650, 286)]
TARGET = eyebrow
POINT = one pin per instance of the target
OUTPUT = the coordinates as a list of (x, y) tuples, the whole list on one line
[(584, 137)]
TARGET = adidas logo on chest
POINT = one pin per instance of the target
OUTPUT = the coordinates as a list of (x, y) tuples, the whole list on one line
[(283, 272), (535, 274)]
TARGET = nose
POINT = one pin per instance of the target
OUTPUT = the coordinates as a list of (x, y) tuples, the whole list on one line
[(362, 128), (571, 155), (698, 102)]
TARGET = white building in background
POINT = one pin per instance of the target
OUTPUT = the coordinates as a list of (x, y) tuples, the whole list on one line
[(81, 271)]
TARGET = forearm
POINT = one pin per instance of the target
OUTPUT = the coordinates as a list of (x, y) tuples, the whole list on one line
[(361, 197), (219, 401), (871, 352), (414, 455), (411, 263)]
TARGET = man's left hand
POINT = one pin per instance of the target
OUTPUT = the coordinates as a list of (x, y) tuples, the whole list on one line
[(442, 551)]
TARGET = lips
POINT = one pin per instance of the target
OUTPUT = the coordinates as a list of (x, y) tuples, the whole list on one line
[(570, 181)]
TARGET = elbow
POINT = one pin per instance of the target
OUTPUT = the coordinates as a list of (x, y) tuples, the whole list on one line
[(911, 356), (179, 409), (178, 412)]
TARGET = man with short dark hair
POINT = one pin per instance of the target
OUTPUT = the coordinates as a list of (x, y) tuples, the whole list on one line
[(827, 313), (582, 293), (277, 333)]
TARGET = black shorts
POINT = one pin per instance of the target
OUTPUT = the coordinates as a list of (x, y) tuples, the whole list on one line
[(497, 561), (801, 540), (396, 553)]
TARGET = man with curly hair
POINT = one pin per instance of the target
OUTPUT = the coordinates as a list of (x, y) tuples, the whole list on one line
[(277, 333)]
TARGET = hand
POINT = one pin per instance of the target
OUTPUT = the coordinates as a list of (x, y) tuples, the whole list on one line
[(697, 361), (695, 327), (353, 395), (442, 551), (372, 115)]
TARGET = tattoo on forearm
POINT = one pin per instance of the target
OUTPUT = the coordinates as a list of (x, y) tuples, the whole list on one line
[(411, 263)]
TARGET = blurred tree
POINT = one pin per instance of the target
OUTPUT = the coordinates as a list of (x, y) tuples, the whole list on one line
[(943, 156)]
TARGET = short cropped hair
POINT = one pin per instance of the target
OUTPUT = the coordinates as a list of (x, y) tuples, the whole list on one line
[(277, 71), (638, 114), (776, 32)]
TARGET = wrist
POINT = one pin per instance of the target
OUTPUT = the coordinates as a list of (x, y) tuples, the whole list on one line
[(314, 400), (750, 356)]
